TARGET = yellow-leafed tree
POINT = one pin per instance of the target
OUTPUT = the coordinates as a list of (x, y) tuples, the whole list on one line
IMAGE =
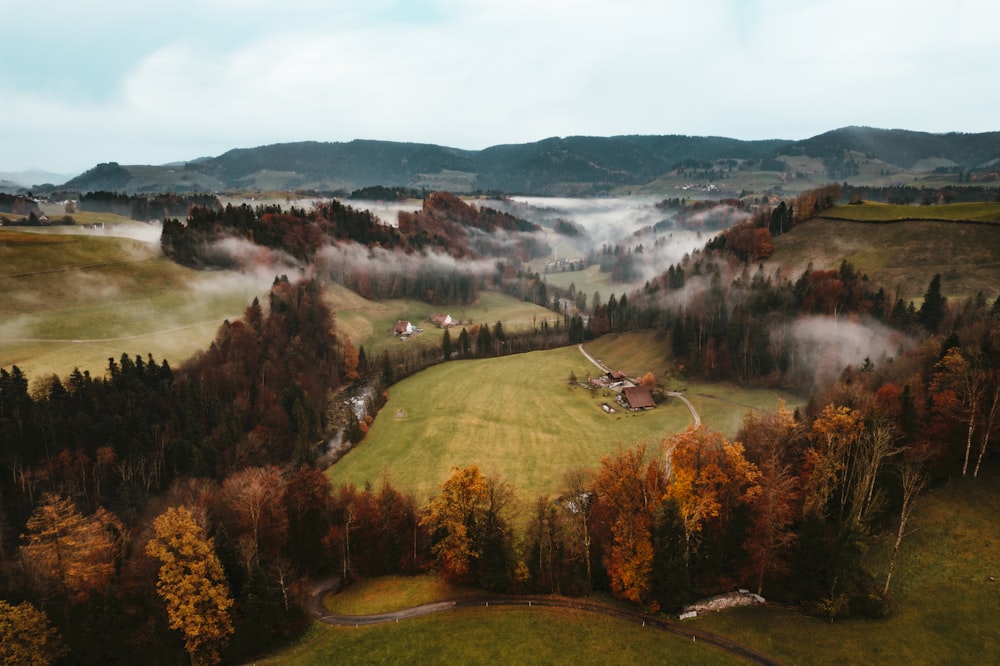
[(192, 584), (27, 637), (463, 499)]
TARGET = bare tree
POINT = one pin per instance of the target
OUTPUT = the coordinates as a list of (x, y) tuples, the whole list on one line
[(912, 478)]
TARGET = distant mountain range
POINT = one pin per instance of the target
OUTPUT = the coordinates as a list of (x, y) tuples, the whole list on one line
[(576, 165)]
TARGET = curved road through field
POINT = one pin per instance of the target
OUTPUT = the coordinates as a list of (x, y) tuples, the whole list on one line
[(320, 588), (673, 394)]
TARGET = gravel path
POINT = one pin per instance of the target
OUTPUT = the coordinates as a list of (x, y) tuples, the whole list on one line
[(673, 394)]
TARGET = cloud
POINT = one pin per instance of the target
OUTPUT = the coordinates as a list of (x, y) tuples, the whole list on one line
[(155, 82)]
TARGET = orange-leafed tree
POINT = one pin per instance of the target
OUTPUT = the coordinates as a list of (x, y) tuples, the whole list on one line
[(708, 478), (69, 553), (192, 584), (629, 490), (770, 439), (351, 361)]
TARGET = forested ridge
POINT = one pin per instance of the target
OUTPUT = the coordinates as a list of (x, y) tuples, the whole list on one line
[(109, 480), (556, 165)]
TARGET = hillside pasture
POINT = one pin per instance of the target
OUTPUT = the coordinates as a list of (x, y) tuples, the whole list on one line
[(69, 301), (946, 593), (869, 211), (370, 323), (900, 256), (518, 417)]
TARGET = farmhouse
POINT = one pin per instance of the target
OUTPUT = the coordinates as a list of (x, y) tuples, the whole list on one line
[(615, 377), (402, 327), (636, 398), (442, 320)]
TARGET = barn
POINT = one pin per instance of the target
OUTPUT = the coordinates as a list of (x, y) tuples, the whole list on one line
[(636, 398)]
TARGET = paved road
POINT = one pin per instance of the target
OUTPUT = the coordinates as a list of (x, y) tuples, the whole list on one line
[(673, 394), (318, 589)]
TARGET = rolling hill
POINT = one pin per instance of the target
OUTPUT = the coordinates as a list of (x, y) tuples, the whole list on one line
[(575, 165)]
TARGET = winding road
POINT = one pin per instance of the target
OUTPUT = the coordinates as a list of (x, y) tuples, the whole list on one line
[(673, 394), (318, 589)]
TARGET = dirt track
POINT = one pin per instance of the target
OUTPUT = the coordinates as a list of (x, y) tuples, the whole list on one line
[(673, 394)]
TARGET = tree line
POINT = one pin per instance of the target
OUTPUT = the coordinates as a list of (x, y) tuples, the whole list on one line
[(111, 482)]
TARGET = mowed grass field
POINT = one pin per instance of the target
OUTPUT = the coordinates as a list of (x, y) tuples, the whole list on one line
[(70, 301), (516, 416), (902, 255), (880, 212), (500, 635)]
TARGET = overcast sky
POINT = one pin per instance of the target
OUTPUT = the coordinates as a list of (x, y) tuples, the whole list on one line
[(155, 81)]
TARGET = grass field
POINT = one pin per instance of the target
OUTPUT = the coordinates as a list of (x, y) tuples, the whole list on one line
[(516, 416), (499, 636), (902, 255), (880, 212), (71, 301), (389, 593), (370, 323)]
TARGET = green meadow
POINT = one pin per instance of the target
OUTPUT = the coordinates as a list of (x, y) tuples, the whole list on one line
[(69, 301), (901, 256), (499, 635), (517, 416), (370, 323), (879, 212)]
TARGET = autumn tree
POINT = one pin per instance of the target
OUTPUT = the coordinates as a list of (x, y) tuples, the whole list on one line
[(629, 490), (708, 477), (769, 439), (27, 637), (68, 552), (834, 435), (449, 517), (351, 361), (192, 584), (470, 528), (961, 382), (253, 511)]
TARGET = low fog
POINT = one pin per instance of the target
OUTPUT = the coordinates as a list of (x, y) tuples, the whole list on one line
[(827, 344), (628, 222)]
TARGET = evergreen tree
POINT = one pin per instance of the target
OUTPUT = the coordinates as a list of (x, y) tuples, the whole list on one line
[(446, 345), (484, 343), (932, 310)]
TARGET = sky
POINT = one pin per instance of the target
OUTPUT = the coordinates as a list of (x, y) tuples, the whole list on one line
[(161, 81)]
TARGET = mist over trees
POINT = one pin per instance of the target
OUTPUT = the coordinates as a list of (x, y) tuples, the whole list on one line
[(107, 479)]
